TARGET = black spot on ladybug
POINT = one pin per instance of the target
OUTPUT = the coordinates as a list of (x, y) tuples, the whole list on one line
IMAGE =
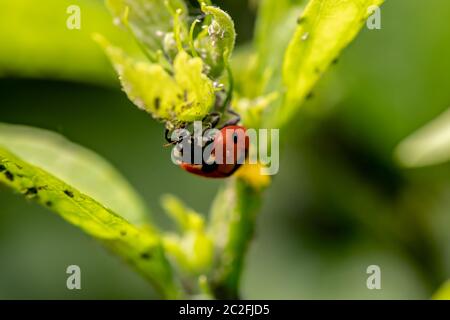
[(335, 60), (68, 193), (235, 138), (157, 103), (2, 168), (207, 168), (49, 203), (146, 255), (31, 191), (9, 176), (123, 233), (310, 96)]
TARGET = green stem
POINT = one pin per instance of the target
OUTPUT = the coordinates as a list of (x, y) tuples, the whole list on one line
[(233, 222)]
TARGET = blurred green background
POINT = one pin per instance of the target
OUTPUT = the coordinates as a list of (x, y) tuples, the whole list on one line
[(338, 204)]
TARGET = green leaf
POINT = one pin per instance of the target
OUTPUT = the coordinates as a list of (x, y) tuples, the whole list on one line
[(185, 218), (221, 31), (197, 88), (443, 293), (77, 166), (186, 96), (275, 25), (257, 73), (151, 21), (430, 145), (216, 42), (193, 248), (325, 28), (42, 46), (141, 248)]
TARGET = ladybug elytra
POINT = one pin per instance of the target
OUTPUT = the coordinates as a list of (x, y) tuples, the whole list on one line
[(224, 153)]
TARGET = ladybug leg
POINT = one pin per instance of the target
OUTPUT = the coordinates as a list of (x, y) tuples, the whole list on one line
[(233, 121), (201, 17), (214, 119), (167, 135)]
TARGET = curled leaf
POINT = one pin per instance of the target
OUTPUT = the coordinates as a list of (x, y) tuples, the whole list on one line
[(186, 96), (216, 42), (197, 88), (221, 30)]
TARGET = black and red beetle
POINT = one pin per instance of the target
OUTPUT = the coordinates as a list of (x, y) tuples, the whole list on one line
[(229, 149)]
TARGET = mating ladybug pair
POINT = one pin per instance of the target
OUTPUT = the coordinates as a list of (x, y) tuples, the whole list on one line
[(221, 154)]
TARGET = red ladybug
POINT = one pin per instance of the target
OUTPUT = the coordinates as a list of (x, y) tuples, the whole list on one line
[(230, 150)]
